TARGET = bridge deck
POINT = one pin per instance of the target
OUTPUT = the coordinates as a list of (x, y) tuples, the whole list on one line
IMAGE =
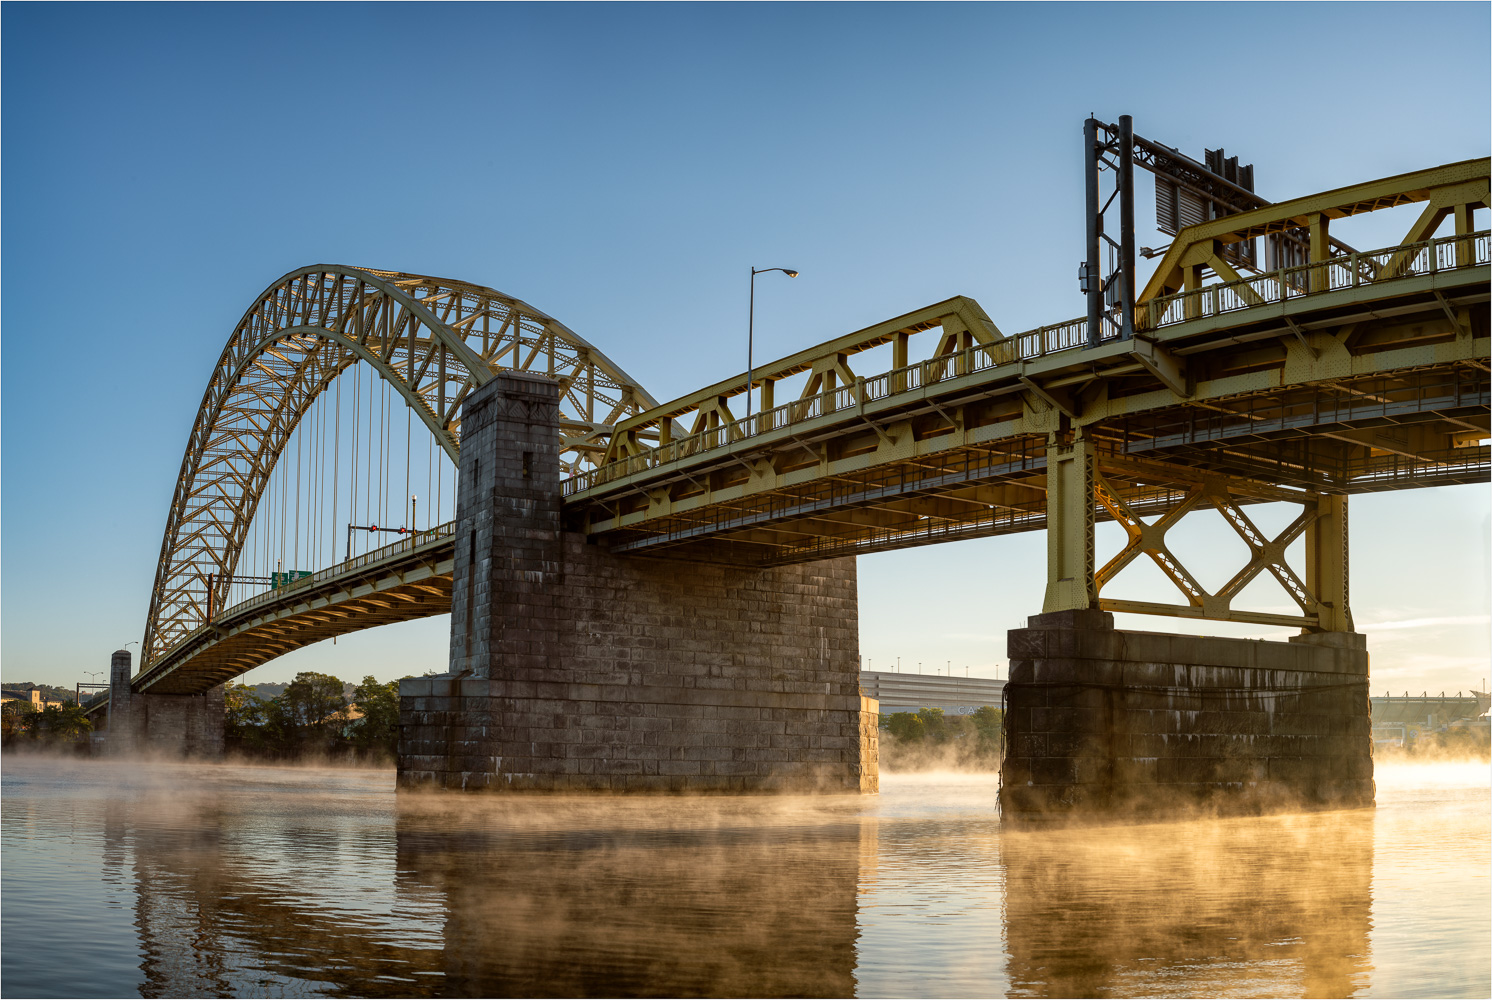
[(1358, 375), (1356, 389), (400, 582)]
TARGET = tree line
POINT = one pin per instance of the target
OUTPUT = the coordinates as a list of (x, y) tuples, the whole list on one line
[(927, 739), (313, 717), (56, 726)]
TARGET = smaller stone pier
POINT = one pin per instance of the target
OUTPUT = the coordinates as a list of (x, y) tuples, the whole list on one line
[(1103, 723), (170, 725)]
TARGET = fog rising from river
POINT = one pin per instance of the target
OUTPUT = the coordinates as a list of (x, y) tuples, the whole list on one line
[(172, 880)]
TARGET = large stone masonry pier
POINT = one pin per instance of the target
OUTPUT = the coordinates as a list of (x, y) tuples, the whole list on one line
[(575, 669), (168, 725), (1108, 723)]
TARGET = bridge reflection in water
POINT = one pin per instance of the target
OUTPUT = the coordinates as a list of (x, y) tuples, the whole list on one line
[(318, 883), (1244, 907), (722, 898)]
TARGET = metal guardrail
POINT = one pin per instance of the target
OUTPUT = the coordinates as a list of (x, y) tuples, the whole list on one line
[(408, 543), (1348, 271), (1428, 257), (1023, 346)]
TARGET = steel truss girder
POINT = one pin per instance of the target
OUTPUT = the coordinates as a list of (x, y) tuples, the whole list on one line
[(433, 340), (1265, 554)]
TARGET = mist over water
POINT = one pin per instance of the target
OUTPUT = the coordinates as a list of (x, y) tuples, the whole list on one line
[(174, 880)]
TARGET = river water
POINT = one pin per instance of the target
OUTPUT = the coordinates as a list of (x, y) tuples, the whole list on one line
[(193, 880)]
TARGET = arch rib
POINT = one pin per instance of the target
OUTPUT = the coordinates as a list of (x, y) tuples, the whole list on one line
[(432, 339)]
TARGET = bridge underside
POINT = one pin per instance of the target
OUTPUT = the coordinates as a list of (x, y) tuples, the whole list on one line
[(401, 582)]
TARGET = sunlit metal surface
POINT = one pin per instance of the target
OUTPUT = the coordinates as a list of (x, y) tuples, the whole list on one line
[(433, 340), (1355, 372)]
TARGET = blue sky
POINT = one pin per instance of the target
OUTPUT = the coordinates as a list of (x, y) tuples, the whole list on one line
[(621, 167)]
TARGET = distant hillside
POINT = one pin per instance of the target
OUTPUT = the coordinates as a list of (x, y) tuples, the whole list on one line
[(268, 691), (49, 692)]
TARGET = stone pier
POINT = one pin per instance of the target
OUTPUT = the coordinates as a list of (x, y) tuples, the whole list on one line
[(171, 725), (572, 668), (1102, 722)]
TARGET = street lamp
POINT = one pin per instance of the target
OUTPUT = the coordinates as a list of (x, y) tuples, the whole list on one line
[(751, 323)]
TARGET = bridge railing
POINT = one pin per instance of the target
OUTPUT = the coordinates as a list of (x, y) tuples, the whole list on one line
[(1349, 271), (413, 540), (1031, 344)]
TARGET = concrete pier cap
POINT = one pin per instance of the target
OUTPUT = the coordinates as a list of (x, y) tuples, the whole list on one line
[(1105, 724)]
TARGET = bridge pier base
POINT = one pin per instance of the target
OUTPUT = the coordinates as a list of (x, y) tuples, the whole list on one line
[(1103, 723), (575, 669), (170, 725)]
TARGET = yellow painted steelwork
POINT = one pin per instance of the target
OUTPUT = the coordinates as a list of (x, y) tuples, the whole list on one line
[(432, 339), (1350, 373)]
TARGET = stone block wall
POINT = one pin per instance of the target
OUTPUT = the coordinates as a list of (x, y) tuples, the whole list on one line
[(573, 668), (179, 725), (661, 676), (1100, 721), (169, 725), (870, 745)]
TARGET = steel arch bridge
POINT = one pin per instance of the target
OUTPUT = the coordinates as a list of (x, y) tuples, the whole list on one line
[(1358, 372), (433, 340)]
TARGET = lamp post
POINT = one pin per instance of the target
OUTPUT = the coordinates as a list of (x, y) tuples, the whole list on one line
[(751, 324)]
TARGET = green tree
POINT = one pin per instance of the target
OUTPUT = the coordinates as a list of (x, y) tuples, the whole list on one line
[(377, 732), (246, 720), (935, 724), (309, 715), (906, 726), (13, 718), (62, 723), (989, 723)]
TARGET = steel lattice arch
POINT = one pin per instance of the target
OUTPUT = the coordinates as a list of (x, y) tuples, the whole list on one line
[(432, 339)]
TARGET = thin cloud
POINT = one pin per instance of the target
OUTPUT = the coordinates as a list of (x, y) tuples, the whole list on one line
[(1426, 623)]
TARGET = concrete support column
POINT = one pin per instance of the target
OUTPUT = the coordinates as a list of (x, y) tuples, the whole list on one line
[(121, 719), (171, 725), (507, 528), (575, 669), (1102, 722), (1327, 564), (1069, 526)]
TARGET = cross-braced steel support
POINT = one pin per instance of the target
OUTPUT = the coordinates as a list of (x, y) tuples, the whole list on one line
[(1077, 490)]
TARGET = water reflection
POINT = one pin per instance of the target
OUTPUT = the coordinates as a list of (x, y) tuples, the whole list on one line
[(262, 896), (246, 882), (229, 881), (637, 898), (1243, 907)]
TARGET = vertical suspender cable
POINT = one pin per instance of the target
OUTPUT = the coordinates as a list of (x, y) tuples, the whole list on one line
[(383, 458), (313, 548), (336, 463), (408, 429), (321, 472), (295, 549), (357, 374), (284, 506)]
